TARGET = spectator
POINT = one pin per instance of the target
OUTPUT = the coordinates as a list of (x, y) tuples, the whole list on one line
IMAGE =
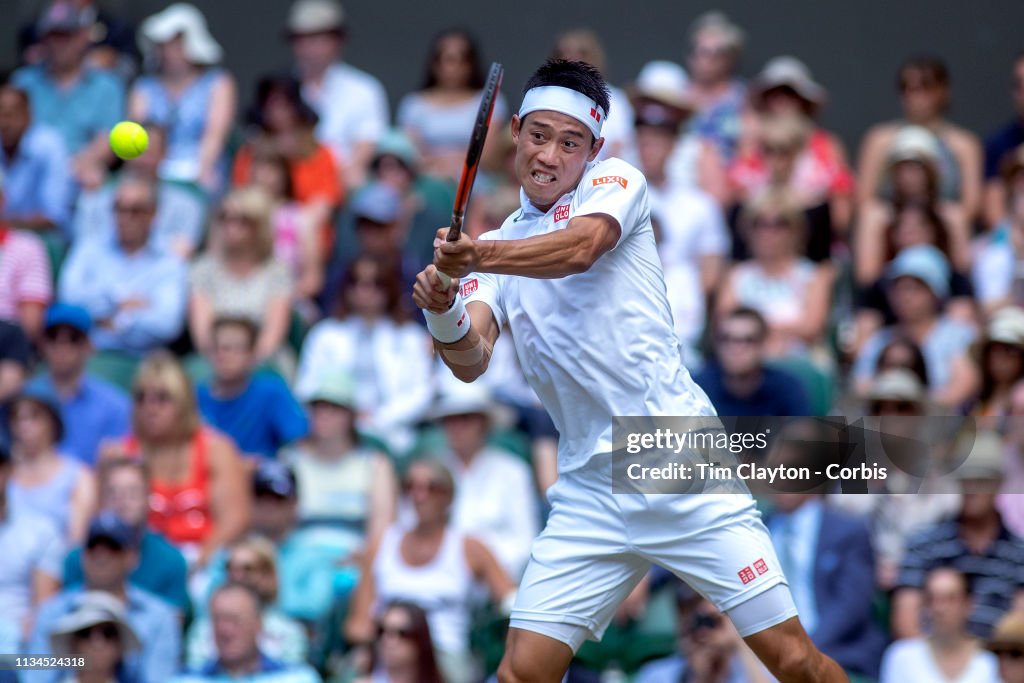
[(134, 292), (1000, 355), (113, 42), (948, 652), (284, 124), (256, 409), (912, 166), (179, 222), (708, 647), (380, 226), (252, 563), (351, 104), (15, 356), (80, 102), (903, 353), (1007, 643), (29, 576), (346, 483), (583, 45), (43, 479), (35, 166), (403, 649), (296, 233), (784, 287), (917, 287), (26, 285), (239, 276), (235, 616), (430, 564), (828, 560), (924, 90), (716, 45), (439, 117), (737, 380), (316, 563), (996, 271), (394, 382), (495, 497), (161, 569), (98, 631), (198, 495), (109, 557), (1009, 503), (692, 241), (189, 96), (975, 541), (999, 144), (91, 409), (820, 174)]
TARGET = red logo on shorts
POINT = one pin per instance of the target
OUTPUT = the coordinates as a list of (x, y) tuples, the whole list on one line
[(746, 575), (605, 180), (760, 567), (562, 212), (469, 286)]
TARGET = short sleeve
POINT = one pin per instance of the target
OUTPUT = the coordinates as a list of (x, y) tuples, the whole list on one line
[(485, 287), (618, 190)]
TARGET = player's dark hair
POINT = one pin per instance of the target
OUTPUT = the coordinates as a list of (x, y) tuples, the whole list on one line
[(578, 76)]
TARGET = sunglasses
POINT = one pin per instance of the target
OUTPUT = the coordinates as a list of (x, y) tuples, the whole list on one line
[(922, 85), (705, 621), (159, 396), (133, 209), (233, 217), (432, 487), (106, 631), (245, 567), (773, 223), (777, 150), (739, 339), (1015, 654), (65, 334), (403, 633), (894, 407)]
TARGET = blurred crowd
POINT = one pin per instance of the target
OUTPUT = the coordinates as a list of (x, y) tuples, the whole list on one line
[(227, 449)]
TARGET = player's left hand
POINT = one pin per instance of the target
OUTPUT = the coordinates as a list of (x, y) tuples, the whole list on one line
[(457, 259)]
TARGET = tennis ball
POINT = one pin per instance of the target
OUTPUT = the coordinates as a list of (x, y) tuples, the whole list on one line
[(128, 140)]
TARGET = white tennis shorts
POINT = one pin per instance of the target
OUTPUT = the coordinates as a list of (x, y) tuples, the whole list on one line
[(598, 545)]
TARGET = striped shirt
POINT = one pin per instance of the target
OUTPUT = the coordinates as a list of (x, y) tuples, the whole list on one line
[(997, 573), (24, 272)]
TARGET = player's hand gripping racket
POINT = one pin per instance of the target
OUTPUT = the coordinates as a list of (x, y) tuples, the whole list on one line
[(476, 148)]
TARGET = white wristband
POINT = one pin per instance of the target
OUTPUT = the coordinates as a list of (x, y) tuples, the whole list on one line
[(450, 326)]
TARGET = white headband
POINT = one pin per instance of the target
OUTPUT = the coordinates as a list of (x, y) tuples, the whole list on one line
[(565, 101)]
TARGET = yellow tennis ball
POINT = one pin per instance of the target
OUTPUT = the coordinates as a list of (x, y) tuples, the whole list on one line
[(128, 140)]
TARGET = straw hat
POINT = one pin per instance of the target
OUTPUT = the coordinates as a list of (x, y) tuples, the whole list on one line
[(897, 384), (182, 19), (459, 398), (788, 72), (91, 609)]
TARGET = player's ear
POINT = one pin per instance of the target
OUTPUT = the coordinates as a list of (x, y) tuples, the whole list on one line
[(595, 149), (516, 127)]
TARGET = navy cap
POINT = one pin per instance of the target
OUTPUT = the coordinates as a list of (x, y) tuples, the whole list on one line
[(274, 478), (107, 526), (70, 315), (378, 202), (63, 16)]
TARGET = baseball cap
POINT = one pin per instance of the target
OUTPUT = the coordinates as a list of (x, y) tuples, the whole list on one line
[(377, 202), (65, 17), (107, 526), (315, 16), (914, 143), (274, 478), (397, 144), (983, 459), (925, 263), (70, 315), (336, 388)]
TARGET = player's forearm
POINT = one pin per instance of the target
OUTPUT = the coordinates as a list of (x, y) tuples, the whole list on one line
[(467, 358), (554, 255)]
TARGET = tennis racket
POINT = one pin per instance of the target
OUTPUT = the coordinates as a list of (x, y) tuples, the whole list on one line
[(476, 148)]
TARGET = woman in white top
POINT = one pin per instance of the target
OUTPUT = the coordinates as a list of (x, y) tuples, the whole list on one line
[(97, 630), (432, 565), (388, 356)]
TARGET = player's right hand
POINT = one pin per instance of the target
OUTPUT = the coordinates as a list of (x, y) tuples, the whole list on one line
[(430, 293)]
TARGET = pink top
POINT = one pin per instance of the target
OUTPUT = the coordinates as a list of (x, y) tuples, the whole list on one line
[(819, 172), (287, 227), (24, 272)]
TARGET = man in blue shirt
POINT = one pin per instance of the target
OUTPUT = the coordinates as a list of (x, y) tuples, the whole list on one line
[(161, 568), (83, 104), (1000, 143), (36, 167), (258, 411), (92, 410), (235, 610), (108, 559), (135, 293), (738, 382)]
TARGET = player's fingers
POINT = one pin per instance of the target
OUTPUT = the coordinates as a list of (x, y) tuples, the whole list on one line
[(442, 234)]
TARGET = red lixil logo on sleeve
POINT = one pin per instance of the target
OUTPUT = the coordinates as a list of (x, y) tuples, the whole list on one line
[(469, 286), (608, 179), (760, 567), (562, 212), (746, 575)]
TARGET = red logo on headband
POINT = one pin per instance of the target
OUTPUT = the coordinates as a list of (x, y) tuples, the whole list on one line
[(596, 114)]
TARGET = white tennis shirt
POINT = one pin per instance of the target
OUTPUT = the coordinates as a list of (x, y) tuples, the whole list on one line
[(599, 343)]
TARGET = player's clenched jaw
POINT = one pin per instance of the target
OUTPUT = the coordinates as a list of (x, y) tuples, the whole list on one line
[(552, 152)]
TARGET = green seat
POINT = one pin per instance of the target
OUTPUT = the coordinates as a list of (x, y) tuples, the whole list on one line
[(115, 367), (818, 384), (56, 251), (633, 644)]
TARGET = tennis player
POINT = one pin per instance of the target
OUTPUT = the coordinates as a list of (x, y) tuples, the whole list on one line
[(575, 274)]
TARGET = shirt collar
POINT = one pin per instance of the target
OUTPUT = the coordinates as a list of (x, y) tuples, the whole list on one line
[(267, 665)]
